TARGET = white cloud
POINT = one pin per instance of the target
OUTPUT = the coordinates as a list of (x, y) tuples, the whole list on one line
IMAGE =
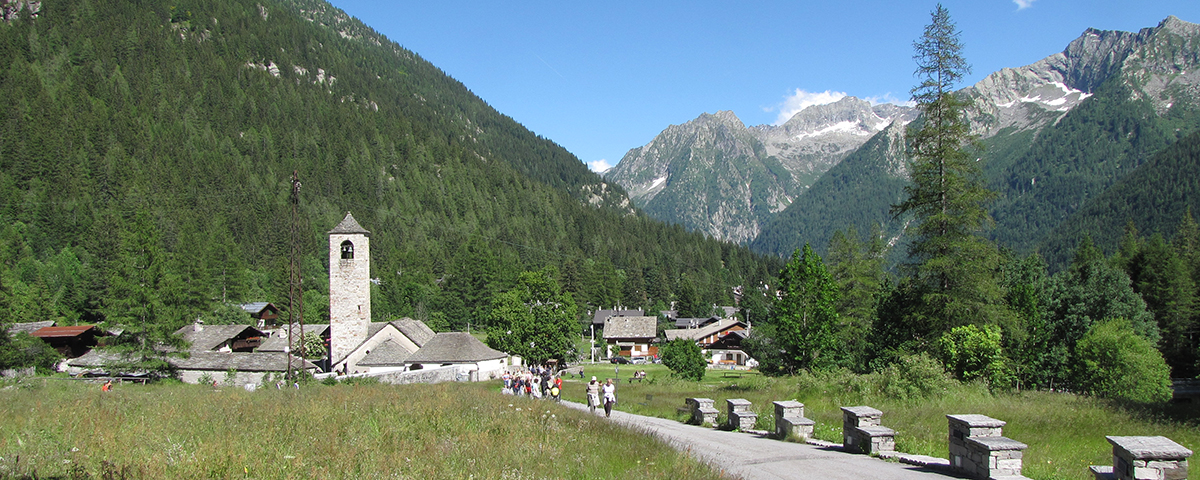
[(801, 99), (889, 98), (1023, 4), (599, 166)]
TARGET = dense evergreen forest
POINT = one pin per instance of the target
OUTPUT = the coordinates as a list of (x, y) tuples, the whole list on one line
[(147, 148)]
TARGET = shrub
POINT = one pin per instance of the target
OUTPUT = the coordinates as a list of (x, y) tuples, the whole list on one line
[(1112, 361), (972, 353), (684, 358), (914, 376)]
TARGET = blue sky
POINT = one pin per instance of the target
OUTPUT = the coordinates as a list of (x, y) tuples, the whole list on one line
[(600, 78)]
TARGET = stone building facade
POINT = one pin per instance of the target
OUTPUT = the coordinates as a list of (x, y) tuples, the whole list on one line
[(349, 289)]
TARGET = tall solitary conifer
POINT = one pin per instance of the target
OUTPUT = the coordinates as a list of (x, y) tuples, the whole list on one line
[(953, 267)]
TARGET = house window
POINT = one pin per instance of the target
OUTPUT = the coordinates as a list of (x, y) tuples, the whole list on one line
[(347, 250)]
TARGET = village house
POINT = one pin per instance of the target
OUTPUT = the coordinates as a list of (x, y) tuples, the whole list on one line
[(631, 336), (684, 323), (602, 316), (721, 340), (265, 312), (71, 342), (223, 338)]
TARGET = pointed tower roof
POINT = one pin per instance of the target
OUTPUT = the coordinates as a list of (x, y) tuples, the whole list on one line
[(349, 225)]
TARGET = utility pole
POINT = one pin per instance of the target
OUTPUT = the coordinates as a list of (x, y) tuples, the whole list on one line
[(296, 282)]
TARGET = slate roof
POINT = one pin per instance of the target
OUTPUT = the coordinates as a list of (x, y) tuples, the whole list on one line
[(349, 225), (257, 307), (216, 361), (415, 330), (29, 327), (631, 327), (454, 347), (279, 340), (241, 361), (695, 322), (602, 315), (698, 333), (388, 353), (212, 336), (95, 358)]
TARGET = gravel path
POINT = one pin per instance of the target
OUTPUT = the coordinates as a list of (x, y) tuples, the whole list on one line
[(751, 456)]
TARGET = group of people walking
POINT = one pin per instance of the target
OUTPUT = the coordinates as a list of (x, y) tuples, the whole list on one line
[(541, 382), (602, 394), (538, 382)]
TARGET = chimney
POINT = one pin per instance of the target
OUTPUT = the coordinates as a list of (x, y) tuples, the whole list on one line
[(198, 326)]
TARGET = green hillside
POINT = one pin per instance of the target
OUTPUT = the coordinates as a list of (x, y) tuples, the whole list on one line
[(1094, 146), (147, 147), (1155, 198)]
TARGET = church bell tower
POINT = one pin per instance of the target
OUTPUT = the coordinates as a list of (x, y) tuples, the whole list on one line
[(349, 289)]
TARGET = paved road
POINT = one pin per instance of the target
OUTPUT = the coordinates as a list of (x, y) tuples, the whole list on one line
[(754, 457)]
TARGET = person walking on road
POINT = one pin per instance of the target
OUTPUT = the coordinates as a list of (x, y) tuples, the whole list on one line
[(610, 397), (593, 394)]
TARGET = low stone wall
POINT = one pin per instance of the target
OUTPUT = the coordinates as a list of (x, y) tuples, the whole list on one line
[(18, 372), (449, 373)]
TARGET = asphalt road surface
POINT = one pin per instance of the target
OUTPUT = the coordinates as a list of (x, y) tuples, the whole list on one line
[(750, 456)]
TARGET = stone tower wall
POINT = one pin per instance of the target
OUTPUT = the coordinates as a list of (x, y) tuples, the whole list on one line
[(349, 295)]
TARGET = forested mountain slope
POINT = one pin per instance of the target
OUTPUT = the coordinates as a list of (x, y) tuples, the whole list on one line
[(1154, 198), (1055, 134), (146, 151), (857, 192)]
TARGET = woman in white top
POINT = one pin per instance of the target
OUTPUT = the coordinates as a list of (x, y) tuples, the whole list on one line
[(609, 392)]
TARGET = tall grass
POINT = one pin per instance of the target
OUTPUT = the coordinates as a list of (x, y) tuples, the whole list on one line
[(1065, 432), (71, 430)]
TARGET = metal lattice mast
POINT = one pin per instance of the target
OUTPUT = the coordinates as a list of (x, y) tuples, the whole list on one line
[(296, 282)]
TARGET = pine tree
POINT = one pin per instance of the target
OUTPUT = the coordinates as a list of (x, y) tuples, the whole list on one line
[(857, 268), (142, 296), (954, 267)]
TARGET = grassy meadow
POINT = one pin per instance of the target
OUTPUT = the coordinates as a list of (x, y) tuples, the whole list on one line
[(1065, 432), (56, 428)]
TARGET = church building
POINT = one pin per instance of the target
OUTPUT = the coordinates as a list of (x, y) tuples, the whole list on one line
[(358, 345)]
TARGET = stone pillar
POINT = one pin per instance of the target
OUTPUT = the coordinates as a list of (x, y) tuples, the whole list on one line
[(978, 449), (703, 412), (790, 421), (1148, 458), (862, 432), (740, 416)]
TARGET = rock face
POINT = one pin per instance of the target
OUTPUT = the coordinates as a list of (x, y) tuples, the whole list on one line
[(1160, 60), (715, 175)]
